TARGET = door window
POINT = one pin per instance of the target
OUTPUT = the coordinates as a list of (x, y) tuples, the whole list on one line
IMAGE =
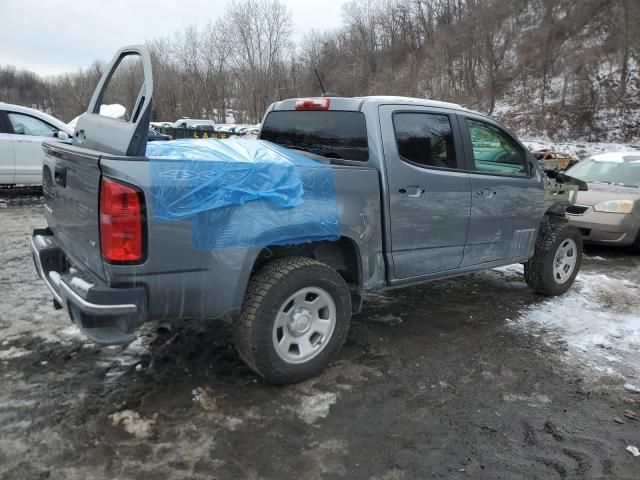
[(425, 139), (494, 152), (123, 90), (27, 125)]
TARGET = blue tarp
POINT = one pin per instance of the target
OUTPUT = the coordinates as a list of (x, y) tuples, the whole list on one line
[(242, 193)]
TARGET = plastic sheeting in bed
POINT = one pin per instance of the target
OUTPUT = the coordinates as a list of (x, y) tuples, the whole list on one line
[(242, 193)]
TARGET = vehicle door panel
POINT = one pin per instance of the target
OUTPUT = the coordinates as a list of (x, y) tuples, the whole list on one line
[(112, 135), (28, 133), (28, 158), (7, 158), (506, 208), (429, 208)]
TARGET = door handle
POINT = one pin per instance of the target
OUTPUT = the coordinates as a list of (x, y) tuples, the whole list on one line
[(412, 191), (60, 175)]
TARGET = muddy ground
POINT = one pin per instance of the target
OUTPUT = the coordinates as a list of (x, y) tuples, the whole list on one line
[(448, 380)]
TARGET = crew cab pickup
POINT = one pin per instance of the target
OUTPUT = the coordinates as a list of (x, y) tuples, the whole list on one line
[(424, 190)]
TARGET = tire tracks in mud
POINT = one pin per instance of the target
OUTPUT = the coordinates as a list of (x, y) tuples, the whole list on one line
[(569, 456), (447, 388)]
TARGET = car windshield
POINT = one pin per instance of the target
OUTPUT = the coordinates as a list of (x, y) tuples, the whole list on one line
[(624, 171)]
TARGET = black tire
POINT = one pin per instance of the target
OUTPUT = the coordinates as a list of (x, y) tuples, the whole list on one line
[(268, 289), (538, 271), (635, 246)]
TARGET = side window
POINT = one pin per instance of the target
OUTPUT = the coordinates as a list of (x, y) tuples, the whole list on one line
[(119, 98), (494, 151), (425, 139), (27, 125)]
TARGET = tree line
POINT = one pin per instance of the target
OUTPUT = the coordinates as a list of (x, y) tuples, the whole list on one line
[(566, 68)]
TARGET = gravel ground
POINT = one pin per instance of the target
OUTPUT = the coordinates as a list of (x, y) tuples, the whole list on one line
[(475, 377)]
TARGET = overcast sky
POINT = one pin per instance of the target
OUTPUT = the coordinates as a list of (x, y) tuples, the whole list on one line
[(55, 36)]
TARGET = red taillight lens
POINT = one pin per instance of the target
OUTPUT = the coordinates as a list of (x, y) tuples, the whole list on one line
[(312, 104), (120, 222)]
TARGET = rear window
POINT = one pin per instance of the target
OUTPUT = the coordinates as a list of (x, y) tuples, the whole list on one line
[(333, 134)]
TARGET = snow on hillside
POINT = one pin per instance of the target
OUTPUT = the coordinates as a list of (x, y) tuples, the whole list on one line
[(577, 149)]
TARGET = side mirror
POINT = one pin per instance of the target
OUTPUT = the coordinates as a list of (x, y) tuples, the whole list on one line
[(62, 135)]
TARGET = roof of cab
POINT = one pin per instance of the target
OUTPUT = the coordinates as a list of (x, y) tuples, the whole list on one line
[(410, 101), (356, 103)]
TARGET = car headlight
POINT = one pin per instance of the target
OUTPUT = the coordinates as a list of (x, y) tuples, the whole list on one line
[(614, 206)]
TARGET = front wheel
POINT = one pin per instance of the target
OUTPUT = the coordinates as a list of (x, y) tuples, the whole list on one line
[(556, 259), (294, 319)]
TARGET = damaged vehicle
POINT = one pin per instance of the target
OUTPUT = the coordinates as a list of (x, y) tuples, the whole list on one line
[(608, 213), (285, 235)]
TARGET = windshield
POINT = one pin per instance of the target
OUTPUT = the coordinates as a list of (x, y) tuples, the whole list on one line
[(332, 134), (625, 171)]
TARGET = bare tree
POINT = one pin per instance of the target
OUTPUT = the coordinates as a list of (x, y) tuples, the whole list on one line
[(561, 67)]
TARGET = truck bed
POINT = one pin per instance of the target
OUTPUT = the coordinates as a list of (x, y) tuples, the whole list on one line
[(184, 280)]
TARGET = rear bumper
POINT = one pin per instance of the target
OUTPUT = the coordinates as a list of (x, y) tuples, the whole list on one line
[(108, 316)]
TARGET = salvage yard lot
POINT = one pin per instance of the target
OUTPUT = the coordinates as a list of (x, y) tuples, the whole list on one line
[(475, 377)]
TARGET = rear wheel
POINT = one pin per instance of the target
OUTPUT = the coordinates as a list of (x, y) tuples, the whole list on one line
[(556, 259), (294, 319)]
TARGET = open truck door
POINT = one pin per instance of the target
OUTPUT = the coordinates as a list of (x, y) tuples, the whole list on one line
[(85, 208), (126, 136)]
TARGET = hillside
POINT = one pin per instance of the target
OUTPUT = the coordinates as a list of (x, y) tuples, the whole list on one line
[(560, 69)]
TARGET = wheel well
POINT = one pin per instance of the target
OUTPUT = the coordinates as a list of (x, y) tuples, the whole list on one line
[(341, 255), (557, 209), (554, 217)]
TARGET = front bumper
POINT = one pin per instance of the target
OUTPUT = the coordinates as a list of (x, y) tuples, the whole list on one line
[(606, 228), (108, 316)]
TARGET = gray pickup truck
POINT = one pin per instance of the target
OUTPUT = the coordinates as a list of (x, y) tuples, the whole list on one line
[(424, 190)]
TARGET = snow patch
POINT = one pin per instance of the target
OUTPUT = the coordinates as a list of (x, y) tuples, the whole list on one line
[(580, 150), (13, 352), (598, 320), (316, 406), (73, 332), (515, 269), (134, 423)]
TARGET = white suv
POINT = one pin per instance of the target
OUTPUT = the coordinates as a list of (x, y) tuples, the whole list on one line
[(22, 131)]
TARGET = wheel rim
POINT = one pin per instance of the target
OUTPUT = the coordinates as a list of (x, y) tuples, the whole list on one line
[(564, 262), (304, 325)]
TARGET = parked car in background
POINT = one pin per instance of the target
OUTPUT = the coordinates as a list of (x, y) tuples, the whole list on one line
[(155, 135), (224, 128), (22, 131), (609, 212), (194, 123), (157, 125)]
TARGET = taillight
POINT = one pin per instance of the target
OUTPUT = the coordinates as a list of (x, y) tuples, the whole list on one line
[(121, 222), (312, 104)]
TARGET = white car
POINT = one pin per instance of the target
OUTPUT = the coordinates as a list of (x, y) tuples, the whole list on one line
[(193, 123), (22, 131)]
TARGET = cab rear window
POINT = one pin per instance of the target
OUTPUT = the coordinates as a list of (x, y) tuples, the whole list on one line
[(331, 133)]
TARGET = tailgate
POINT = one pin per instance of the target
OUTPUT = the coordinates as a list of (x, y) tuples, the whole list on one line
[(71, 188), (72, 173)]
